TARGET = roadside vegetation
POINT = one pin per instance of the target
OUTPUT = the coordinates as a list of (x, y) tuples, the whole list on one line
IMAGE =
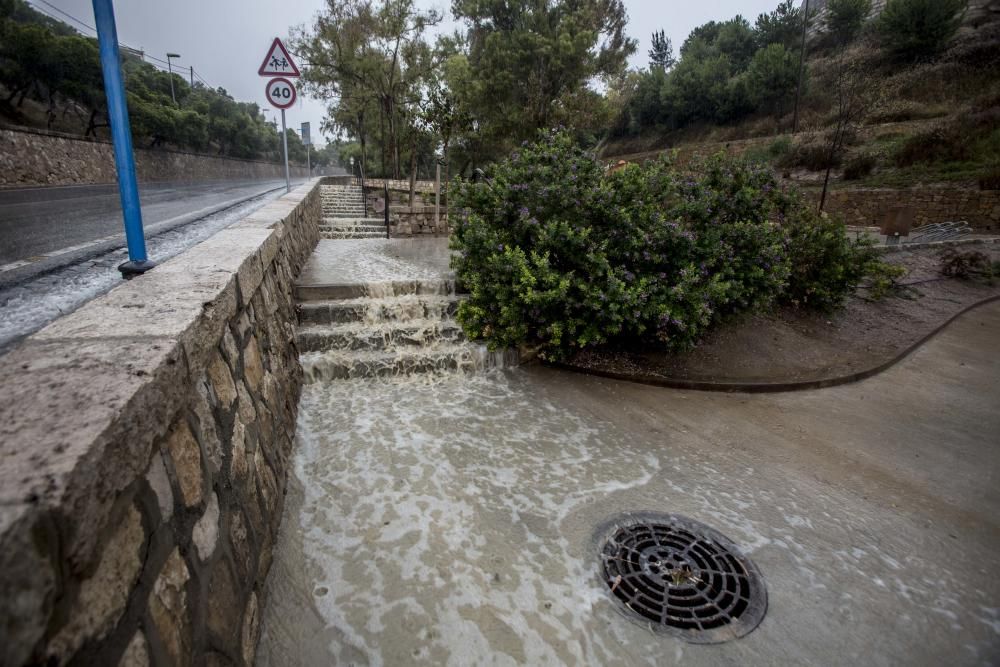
[(559, 255), (921, 77), (50, 77)]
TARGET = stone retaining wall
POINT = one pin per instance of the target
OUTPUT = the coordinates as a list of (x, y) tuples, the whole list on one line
[(980, 208), (145, 442), (399, 184), (35, 157), (418, 221)]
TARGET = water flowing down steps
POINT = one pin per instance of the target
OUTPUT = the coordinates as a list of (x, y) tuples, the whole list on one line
[(400, 322), (344, 214)]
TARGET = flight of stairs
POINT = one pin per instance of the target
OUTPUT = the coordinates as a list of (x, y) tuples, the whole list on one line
[(386, 329), (344, 214)]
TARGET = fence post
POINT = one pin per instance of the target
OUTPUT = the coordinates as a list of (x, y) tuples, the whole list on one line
[(386, 185), (437, 197)]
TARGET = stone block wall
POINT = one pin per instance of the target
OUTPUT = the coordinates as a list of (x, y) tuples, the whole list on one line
[(144, 447), (34, 157), (980, 208), (418, 221)]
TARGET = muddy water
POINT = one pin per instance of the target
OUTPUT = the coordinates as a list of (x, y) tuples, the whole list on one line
[(451, 519), (418, 509)]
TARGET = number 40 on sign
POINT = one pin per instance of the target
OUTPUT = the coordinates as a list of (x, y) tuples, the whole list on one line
[(280, 93)]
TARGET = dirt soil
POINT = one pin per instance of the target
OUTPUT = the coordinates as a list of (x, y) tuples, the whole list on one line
[(793, 345)]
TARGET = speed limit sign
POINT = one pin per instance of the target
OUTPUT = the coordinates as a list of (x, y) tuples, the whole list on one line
[(280, 92)]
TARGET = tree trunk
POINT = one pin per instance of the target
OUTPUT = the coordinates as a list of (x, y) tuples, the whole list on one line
[(838, 137)]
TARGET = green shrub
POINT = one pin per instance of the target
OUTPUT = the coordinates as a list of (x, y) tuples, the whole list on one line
[(772, 152), (814, 156), (945, 143), (826, 264), (559, 255), (860, 166), (883, 278), (919, 29), (846, 18), (779, 147)]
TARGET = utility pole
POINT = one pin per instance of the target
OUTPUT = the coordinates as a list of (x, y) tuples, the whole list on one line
[(192, 76), (802, 66)]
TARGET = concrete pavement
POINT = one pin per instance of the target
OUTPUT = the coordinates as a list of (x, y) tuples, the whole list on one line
[(454, 521)]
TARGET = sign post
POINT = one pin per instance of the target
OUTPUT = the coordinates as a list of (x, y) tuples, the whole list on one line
[(280, 91), (121, 134)]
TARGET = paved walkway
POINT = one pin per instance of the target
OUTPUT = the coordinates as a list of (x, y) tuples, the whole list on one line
[(453, 521)]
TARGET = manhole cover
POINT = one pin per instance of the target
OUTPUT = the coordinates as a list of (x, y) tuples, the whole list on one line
[(682, 578)]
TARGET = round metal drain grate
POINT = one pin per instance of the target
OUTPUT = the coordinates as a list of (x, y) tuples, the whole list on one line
[(682, 578)]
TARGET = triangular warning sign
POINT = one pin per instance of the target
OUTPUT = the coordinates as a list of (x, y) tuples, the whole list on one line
[(277, 62)]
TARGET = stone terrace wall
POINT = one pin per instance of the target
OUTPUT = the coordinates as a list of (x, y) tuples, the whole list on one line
[(34, 157), (418, 221), (399, 184), (144, 446), (980, 208)]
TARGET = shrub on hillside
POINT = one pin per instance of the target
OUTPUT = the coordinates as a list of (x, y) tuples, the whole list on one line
[(919, 29), (826, 264), (846, 18), (814, 156), (557, 254), (860, 166), (945, 143)]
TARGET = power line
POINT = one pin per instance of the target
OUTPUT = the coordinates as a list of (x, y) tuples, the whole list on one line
[(158, 63), (69, 16)]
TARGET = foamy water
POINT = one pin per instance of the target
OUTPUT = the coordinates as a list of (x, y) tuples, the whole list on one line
[(451, 519)]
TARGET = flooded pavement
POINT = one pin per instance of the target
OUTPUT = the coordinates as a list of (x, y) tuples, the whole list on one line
[(453, 519)]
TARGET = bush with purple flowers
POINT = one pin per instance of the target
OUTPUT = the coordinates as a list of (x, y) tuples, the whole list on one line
[(560, 255)]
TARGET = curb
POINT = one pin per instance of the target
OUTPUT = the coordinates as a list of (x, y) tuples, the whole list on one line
[(886, 249), (13, 277), (772, 387)]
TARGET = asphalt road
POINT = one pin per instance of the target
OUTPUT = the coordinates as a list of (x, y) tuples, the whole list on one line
[(39, 220)]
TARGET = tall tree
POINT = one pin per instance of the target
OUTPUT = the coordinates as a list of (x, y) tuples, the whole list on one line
[(370, 61), (846, 18), (662, 53), (529, 60), (781, 26)]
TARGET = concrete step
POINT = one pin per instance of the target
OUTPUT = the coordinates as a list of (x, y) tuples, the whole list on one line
[(358, 220), (343, 213), (387, 336), (371, 229), (336, 235), (338, 365), (373, 310), (330, 292), (338, 189)]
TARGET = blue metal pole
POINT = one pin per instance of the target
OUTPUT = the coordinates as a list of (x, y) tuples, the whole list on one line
[(121, 134)]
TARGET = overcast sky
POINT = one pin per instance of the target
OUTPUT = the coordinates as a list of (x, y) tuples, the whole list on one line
[(225, 40)]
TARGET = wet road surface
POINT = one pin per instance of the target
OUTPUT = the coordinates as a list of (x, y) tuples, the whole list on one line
[(39, 220)]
